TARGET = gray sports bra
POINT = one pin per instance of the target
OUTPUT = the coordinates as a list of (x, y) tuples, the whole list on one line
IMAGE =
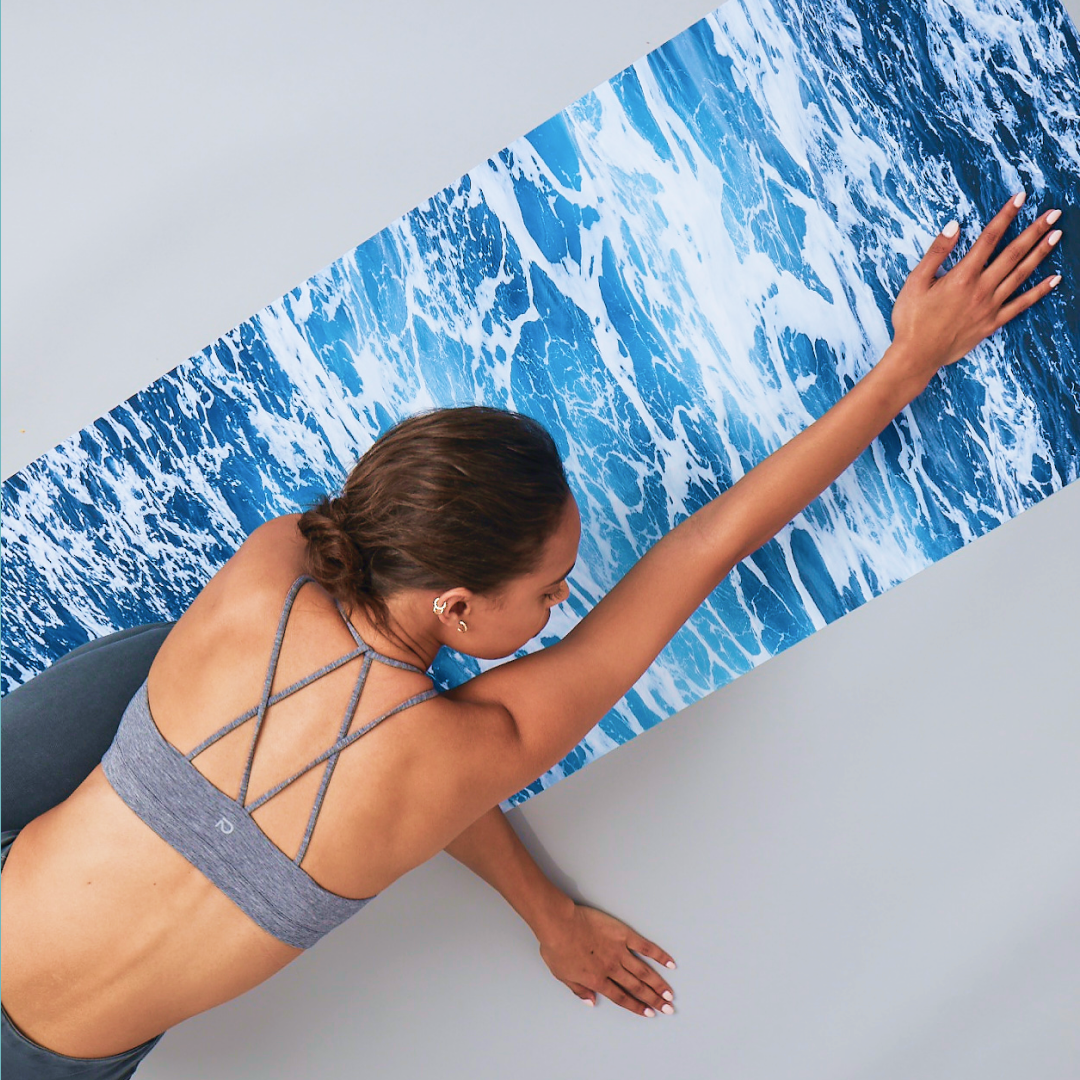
[(217, 833)]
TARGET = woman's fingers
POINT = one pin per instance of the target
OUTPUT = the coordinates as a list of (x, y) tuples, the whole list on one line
[(631, 993), (644, 947), (638, 988), (614, 992), (1027, 298), (983, 249), (650, 977), (937, 253), (583, 992), (1024, 254)]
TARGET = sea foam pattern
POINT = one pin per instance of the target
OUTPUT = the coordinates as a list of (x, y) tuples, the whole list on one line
[(676, 275)]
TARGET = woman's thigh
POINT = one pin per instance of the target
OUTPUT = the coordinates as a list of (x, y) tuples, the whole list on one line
[(56, 727)]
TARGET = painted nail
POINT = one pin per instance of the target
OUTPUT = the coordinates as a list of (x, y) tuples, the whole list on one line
[(1055, 281), (649, 1012), (667, 1010), (670, 964), (1052, 216), (1054, 237), (588, 1001), (1018, 200), (667, 995), (951, 229)]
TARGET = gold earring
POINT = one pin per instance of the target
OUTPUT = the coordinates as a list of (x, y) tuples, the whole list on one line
[(438, 605), (461, 626)]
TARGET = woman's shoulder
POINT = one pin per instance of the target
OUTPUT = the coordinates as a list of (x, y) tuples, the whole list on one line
[(243, 600), (263, 567), (217, 654), (275, 547)]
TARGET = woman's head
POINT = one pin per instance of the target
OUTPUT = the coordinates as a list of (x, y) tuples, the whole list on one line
[(464, 499)]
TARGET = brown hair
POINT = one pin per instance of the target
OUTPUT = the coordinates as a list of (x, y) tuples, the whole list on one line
[(454, 497)]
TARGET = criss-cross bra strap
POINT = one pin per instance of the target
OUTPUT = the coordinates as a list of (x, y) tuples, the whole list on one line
[(344, 739), (273, 700), (340, 745), (388, 660), (350, 709), (260, 716)]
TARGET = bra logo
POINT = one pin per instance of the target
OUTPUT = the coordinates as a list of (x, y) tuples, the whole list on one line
[(225, 825)]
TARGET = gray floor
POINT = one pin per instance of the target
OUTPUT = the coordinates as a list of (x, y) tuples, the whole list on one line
[(863, 854)]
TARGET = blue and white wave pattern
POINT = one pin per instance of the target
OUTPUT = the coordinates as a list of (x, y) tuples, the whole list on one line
[(675, 275)]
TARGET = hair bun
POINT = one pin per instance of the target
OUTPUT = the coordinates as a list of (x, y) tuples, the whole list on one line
[(336, 561)]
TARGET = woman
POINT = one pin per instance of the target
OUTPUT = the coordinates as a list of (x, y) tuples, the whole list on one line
[(254, 794)]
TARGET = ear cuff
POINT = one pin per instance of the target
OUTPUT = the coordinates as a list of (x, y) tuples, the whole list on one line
[(438, 605)]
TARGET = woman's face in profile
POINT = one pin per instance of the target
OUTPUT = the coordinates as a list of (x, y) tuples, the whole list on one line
[(503, 623)]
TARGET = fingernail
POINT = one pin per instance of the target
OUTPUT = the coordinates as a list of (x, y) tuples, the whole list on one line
[(1052, 216), (1055, 281), (951, 229), (649, 1012), (1054, 237), (588, 1001), (667, 995), (670, 964), (667, 1010), (1018, 201)]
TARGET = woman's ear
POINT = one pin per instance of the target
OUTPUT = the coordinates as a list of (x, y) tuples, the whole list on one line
[(452, 606)]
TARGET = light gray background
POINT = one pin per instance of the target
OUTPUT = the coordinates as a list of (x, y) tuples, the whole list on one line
[(863, 854)]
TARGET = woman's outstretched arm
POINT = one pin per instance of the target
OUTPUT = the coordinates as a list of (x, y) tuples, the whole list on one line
[(556, 695)]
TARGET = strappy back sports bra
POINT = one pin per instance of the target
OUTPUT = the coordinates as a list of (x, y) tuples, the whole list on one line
[(217, 833)]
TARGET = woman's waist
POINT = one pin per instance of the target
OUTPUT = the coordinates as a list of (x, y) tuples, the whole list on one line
[(109, 936)]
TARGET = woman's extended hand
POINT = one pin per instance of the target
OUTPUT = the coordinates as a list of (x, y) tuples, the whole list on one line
[(594, 953), (938, 318)]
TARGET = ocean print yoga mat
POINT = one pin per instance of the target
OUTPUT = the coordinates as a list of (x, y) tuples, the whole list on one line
[(675, 275)]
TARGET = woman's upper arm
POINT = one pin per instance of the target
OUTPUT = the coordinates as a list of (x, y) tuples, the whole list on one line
[(556, 695)]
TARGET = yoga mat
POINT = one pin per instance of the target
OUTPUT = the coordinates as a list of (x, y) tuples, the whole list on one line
[(676, 274)]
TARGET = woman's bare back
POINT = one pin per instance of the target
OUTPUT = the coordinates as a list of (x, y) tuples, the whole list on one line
[(111, 936)]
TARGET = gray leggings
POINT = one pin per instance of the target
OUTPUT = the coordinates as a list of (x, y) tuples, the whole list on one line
[(55, 729), (57, 726)]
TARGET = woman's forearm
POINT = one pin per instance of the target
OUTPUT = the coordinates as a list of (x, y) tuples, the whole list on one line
[(491, 849), (754, 509)]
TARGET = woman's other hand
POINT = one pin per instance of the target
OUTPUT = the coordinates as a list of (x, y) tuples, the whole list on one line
[(594, 953), (938, 318)]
